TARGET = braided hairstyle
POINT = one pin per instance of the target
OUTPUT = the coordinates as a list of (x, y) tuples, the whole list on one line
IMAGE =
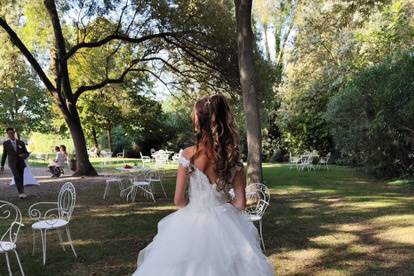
[(216, 130)]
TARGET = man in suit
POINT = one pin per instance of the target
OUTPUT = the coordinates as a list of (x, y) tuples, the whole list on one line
[(15, 151)]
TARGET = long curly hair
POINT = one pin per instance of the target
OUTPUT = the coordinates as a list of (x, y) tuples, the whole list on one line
[(216, 130)]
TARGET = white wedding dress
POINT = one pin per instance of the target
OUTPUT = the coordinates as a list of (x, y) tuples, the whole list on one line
[(208, 237), (28, 178)]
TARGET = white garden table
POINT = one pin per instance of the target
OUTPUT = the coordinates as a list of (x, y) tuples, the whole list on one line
[(130, 191)]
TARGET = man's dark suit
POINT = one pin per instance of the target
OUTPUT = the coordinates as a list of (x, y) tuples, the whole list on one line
[(16, 163)]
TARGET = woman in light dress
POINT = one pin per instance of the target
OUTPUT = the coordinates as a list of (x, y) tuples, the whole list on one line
[(209, 235), (56, 168), (28, 178)]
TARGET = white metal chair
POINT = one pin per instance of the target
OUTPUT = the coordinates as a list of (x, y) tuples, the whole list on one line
[(323, 161), (10, 213), (54, 219), (113, 179), (155, 176), (256, 211), (293, 161), (306, 163), (92, 152), (252, 188), (107, 155), (144, 159), (161, 159), (139, 183)]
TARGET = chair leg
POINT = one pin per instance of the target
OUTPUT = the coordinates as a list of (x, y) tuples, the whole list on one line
[(61, 240), (150, 193), (134, 194), (261, 235), (34, 242), (71, 242), (152, 196), (106, 190), (8, 263), (20, 264), (163, 190), (43, 234)]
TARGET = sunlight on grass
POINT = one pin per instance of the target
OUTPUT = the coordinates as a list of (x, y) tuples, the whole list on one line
[(296, 260), (398, 235), (374, 204), (362, 248), (304, 205), (85, 242), (335, 222), (334, 240), (351, 227), (401, 220), (333, 272)]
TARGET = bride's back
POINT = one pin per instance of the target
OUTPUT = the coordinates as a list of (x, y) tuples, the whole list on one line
[(203, 191)]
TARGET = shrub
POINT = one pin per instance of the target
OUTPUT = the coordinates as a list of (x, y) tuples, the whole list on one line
[(372, 118)]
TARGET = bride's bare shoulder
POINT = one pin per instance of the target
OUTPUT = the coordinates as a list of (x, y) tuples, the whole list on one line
[(188, 152)]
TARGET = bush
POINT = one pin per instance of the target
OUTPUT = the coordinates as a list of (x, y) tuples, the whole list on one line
[(372, 118)]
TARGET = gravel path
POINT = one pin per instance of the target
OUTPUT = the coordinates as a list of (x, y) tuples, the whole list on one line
[(47, 185)]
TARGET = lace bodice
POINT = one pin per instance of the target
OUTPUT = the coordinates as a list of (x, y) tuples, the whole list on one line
[(202, 193)]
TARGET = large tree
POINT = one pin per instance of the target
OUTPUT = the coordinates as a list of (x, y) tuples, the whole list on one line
[(148, 29), (245, 41)]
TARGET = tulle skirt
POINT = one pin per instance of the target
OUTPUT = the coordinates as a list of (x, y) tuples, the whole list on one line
[(217, 241)]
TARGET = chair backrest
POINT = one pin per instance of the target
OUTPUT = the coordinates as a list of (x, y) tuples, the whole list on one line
[(12, 216), (253, 187), (258, 203), (66, 201), (161, 158)]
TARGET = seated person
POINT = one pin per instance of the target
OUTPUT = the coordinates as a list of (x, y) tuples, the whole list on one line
[(56, 168)]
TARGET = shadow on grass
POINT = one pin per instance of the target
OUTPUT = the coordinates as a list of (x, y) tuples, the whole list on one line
[(334, 222), (338, 223)]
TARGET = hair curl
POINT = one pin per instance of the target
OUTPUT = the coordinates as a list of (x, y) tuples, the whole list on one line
[(216, 130)]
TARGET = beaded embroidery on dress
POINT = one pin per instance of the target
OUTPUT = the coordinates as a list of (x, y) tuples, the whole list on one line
[(208, 237)]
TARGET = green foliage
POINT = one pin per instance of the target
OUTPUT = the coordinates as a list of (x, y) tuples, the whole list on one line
[(373, 117), (24, 104), (46, 143), (335, 41)]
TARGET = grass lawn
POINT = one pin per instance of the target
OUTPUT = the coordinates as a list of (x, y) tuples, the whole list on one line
[(335, 222)]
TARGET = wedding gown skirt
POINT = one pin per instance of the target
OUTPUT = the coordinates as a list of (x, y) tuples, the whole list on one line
[(208, 237), (28, 178)]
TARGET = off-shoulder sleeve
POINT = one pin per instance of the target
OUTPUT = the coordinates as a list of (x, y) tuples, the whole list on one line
[(183, 161)]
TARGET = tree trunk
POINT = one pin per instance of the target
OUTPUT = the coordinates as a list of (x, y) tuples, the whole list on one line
[(83, 165), (250, 95), (110, 138), (266, 41), (64, 96), (95, 142)]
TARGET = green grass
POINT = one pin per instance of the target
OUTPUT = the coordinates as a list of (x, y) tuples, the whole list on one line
[(335, 222)]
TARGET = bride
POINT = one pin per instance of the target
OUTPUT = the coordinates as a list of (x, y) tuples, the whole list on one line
[(209, 235), (28, 178)]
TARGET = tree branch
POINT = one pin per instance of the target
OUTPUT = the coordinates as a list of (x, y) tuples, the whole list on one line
[(120, 79), (14, 38), (101, 84), (117, 36)]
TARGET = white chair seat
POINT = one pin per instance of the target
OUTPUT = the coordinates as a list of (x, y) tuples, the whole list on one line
[(7, 246), (141, 183), (49, 224), (254, 217), (113, 180)]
